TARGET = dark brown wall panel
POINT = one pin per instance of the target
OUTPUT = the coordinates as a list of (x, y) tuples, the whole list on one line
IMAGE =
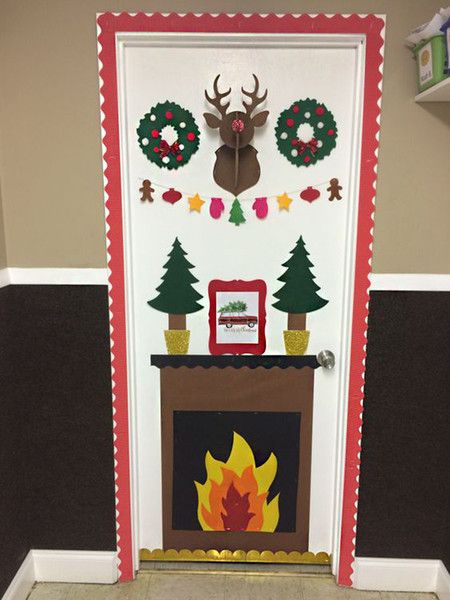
[(404, 494), (14, 544), (56, 424)]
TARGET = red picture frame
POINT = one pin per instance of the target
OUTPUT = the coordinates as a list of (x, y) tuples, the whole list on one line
[(248, 324), (109, 25)]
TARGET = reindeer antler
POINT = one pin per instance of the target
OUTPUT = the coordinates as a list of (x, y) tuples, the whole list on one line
[(216, 101), (250, 106)]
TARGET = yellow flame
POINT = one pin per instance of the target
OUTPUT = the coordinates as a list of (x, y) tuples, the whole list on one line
[(241, 457)]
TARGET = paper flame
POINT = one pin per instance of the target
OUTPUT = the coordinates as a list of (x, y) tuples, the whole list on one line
[(234, 495)]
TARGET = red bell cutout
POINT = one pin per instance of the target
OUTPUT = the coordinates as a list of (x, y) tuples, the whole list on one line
[(172, 196), (216, 208), (260, 207), (310, 194)]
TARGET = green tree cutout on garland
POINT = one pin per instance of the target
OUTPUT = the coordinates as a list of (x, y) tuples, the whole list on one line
[(236, 213), (298, 295), (177, 297)]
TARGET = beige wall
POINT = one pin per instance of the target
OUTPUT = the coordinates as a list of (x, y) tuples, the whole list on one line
[(2, 238), (50, 166)]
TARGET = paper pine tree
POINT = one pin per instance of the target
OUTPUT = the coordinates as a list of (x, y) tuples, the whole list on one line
[(298, 295), (236, 213), (177, 296)]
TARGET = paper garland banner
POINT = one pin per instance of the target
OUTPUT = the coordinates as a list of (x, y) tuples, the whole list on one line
[(296, 192), (260, 204)]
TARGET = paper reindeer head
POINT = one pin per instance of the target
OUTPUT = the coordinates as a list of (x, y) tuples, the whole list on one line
[(237, 167)]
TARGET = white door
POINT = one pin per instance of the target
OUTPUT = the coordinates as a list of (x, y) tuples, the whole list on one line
[(314, 105)]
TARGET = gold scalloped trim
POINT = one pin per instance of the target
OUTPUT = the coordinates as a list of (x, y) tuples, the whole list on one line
[(252, 556)]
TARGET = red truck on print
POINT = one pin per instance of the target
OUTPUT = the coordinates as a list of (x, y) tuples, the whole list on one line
[(230, 320), (233, 313)]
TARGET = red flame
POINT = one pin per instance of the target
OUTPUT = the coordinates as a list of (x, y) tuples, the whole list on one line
[(236, 495), (237, 506)]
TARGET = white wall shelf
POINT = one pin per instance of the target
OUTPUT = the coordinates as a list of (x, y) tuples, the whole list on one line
[(436, 93)]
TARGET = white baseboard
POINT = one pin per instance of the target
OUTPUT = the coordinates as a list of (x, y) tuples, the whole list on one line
[(23, 581), (419, 282), (19, 276), (401, 575), (377, 574), (31, 276), (442, 590), (4, 278), (63, 566), (75, 566)]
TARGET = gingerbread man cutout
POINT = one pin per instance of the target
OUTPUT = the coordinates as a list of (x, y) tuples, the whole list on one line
[(334, 190), (146, 191)]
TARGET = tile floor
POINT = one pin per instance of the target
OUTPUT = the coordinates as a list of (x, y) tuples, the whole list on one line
[(215, 586)]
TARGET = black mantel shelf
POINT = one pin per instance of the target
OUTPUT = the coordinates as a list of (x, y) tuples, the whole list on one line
[(206, 361)]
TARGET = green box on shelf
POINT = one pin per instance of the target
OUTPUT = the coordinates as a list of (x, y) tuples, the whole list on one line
[(430, 58), (446, 31)]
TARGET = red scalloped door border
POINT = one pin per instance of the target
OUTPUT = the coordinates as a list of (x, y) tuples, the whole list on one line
[(372, 26)]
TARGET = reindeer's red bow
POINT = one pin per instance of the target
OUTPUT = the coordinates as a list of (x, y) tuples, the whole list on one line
[(302, 146), (165, 148)]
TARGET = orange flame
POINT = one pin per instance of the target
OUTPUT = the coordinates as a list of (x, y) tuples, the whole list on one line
[(234, 495)]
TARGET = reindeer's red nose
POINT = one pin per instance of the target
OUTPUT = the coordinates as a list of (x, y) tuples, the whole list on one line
[(237, 125)]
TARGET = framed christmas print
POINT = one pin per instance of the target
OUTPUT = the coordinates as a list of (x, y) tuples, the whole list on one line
[(237, 317), (240, 157)]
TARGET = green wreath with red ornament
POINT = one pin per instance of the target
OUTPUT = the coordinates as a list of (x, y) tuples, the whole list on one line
[(306, 132), (156, 126)]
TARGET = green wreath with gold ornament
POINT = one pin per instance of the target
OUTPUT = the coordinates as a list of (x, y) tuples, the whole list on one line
[(306, 132), (168, 120)]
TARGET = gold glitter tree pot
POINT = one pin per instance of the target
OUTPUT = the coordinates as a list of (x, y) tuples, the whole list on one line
[(296, 341), (177, 340)]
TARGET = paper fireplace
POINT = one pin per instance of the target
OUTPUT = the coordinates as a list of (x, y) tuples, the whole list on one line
[(236, 451)]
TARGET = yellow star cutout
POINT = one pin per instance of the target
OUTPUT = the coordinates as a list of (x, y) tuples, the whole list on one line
[(195, 203), (283, 201)]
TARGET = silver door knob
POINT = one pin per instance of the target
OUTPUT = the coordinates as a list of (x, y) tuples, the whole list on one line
[(326, 359)]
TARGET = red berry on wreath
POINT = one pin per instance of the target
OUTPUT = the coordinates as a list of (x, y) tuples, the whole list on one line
[(320, 110), (306, 159), (155, 133), (156, 149), (191, 136), (169, 115), (295, 108), (179, 157), (290, 122), (330, 132)]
